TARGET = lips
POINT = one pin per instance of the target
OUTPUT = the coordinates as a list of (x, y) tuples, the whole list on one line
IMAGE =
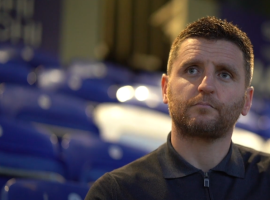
[(206, 104), (204, 101)]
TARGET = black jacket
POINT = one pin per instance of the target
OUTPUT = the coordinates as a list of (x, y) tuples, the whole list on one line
[(163, 174)]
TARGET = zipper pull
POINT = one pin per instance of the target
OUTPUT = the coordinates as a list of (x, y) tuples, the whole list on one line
[(206, 180)]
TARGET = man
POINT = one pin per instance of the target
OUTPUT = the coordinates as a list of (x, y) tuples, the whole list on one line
[(207, 87)]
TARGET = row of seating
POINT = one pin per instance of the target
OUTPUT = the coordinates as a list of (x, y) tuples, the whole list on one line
[(25, 189), (50, 145), (26, 151), (103, 82), (66, 127)]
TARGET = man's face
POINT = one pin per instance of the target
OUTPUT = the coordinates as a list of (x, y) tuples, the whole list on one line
[(206, 90)]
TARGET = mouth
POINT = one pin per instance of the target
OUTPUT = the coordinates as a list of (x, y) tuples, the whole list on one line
[(203, 104)]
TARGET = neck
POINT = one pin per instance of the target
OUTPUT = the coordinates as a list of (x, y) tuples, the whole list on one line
[(202, 154)]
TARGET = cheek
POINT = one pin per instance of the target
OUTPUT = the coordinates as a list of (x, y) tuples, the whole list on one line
[(230, 96), (182, 85), (186, 90)]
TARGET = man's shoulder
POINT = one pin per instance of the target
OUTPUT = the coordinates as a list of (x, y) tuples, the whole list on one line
[(142, 167), (122, 183), (251, 156), (247, 151)]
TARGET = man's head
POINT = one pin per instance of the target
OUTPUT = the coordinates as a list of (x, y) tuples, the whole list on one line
[(211, 28), (207, 86)]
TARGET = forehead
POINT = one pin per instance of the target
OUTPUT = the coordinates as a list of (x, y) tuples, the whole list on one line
[(215, 51)]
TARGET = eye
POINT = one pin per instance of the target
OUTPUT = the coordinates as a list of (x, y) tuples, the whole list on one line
[(225, 75), (192, 70)]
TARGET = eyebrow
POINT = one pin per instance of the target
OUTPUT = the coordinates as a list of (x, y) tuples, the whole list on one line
[(190, 62)]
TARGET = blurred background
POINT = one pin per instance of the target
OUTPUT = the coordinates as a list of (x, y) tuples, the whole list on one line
[(80, 86)]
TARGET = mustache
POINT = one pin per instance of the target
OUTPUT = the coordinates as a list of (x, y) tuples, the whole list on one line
[(205, 99)]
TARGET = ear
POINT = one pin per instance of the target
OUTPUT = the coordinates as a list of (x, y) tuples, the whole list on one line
[(164, 86), (248, 101)]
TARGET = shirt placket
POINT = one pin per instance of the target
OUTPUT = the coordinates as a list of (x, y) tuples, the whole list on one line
[(206, 184)]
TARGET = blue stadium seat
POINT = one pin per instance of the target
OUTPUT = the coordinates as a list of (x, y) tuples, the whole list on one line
[(88, 157), (101, 70), (17, 74), (258, 118), (96, 90), (20, 65), (12, 54), (90, 80), (32, 104), (263, 120), (248, 122), (27, 152), (90, 89), (42, 190)]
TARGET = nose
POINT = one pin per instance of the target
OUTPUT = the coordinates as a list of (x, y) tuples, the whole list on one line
[(207, 85)]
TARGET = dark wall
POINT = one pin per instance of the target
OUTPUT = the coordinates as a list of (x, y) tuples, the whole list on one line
[(33, 23), (131, 39)]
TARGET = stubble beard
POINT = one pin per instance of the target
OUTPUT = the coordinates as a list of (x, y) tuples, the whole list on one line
[(209, 130)]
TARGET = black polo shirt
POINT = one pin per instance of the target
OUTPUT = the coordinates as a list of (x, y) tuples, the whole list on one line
[(163, 174)]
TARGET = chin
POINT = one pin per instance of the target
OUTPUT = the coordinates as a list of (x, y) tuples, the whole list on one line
[(203, 119)]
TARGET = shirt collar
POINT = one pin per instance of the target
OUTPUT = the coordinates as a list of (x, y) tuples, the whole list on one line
[(174, 166), (232, 164)]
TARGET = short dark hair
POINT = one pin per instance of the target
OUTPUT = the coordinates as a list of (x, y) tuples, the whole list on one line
[(212, 28)]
